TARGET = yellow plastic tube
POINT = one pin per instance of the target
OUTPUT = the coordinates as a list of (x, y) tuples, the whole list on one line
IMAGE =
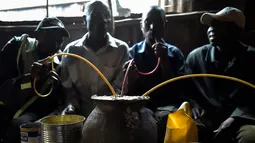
[(152, 89), (83, 59), (198, 75)]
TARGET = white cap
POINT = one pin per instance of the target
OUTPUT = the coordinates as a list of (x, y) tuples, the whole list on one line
[(228, 14)]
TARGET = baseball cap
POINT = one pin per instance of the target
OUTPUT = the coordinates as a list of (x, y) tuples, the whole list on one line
[(228, 14), (50, 23)]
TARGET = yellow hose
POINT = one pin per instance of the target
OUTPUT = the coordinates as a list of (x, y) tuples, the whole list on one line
[(152, 89), (83, 59), (39, 94), (198, 75)]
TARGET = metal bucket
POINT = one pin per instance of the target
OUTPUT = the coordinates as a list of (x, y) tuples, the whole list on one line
[(62, 129)]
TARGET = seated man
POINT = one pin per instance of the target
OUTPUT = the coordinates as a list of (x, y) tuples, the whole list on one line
[(107, 53), (145, 56), (225, 107), (16, 78)]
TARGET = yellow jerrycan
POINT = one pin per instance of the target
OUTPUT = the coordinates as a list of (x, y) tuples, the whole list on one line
[(181, 128)]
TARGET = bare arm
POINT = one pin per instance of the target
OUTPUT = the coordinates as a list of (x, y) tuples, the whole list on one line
[(70, 93)]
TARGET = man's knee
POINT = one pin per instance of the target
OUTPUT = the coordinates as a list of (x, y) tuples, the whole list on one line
[(12, 134), (246, 134)]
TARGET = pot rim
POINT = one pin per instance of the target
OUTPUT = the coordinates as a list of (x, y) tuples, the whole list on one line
[(119, 98)]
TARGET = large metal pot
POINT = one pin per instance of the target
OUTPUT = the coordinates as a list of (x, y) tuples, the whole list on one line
[(120, 120), (62, 129)]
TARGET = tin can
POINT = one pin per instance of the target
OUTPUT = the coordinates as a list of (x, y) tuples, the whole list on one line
[(30, 133), (62, 129)]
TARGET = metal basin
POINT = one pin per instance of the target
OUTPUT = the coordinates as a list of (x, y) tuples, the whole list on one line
[(62, 129)]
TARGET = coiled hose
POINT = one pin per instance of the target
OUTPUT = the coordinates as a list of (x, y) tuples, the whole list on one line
[(81, 58)]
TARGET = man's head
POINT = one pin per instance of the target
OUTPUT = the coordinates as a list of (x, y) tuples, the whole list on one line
[(153, 24), (226, 26), (97, 18), (50, 34)]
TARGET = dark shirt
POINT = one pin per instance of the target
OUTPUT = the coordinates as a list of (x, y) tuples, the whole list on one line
[(9, 70), (8, 63), (146, 61), (220, 97)]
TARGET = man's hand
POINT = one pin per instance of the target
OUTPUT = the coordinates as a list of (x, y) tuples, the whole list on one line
[(223, 131), (225, 125), (43, 73), (132, 74), (197, 113), (52, 78), (160, 50), (39, 70), (69, 110), (132, 71)]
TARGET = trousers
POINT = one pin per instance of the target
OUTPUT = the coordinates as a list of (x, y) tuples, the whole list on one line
[(240, 131)]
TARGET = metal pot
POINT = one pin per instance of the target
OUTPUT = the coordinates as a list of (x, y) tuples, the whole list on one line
[(61, 129), (120, 120)]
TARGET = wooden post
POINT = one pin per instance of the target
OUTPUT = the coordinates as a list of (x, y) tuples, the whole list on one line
[(159, 3), (47, 8), (112, 18)]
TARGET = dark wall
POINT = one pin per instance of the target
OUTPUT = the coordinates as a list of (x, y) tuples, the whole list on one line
[(201, 5), (183, 30)]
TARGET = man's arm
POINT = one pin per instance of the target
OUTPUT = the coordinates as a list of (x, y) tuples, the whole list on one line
[(189, 67), (170, 70), (244, 97), (179, 62), (190, 93), (8, 63), (70, 93), (133, 79)]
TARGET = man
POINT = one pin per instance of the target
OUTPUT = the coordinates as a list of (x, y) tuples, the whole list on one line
[(107, 53), (219, 99), (16, 78), (145, 55), (153, 26)]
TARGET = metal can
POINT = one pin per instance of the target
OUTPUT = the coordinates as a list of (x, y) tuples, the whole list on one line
[(62, 129), (30, 133)]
